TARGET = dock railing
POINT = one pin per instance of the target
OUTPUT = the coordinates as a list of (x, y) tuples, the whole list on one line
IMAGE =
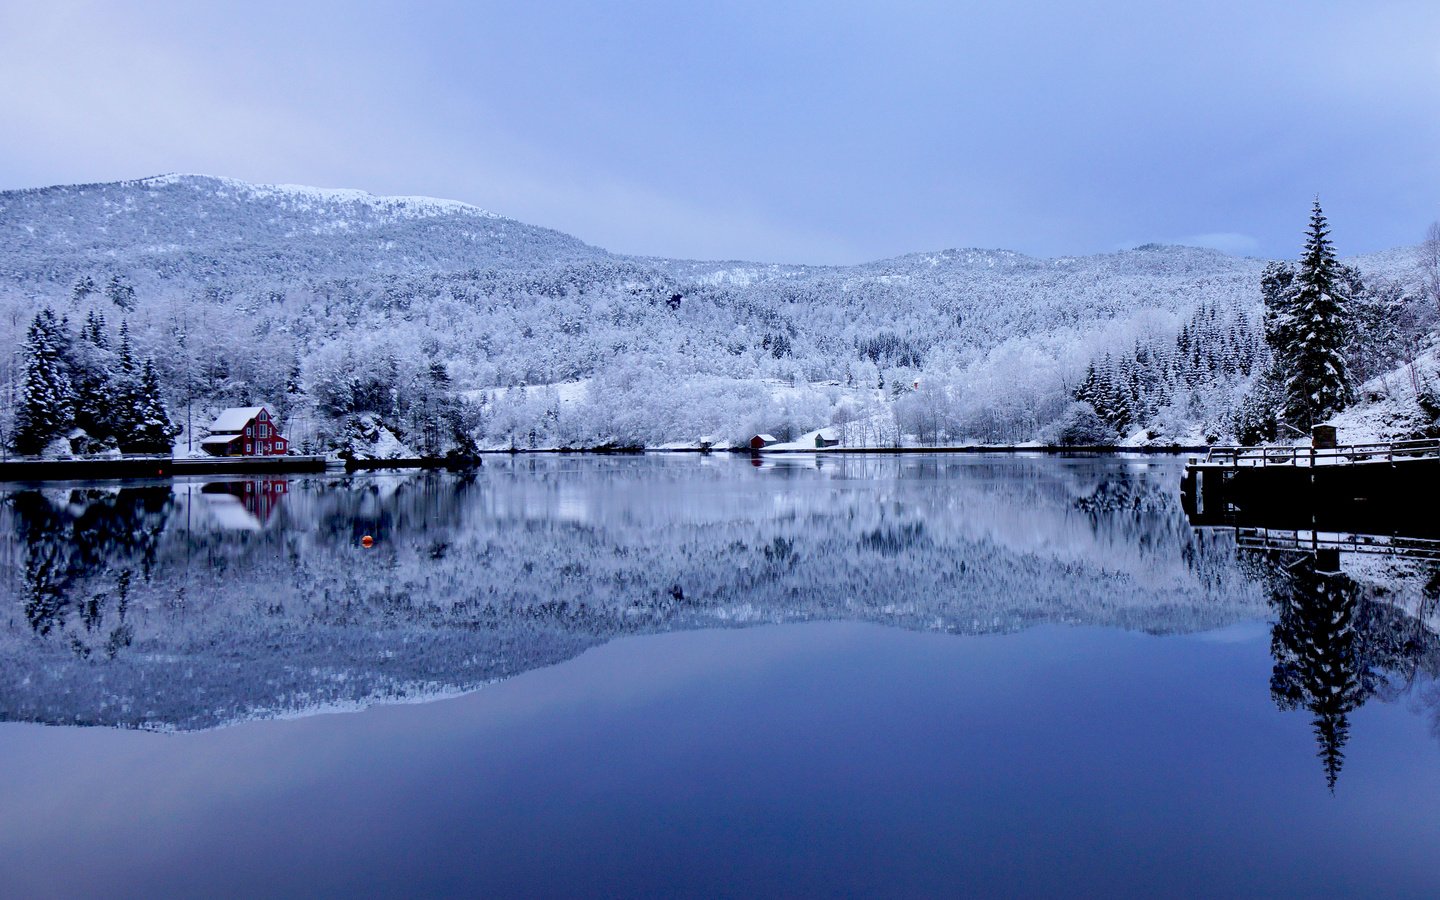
[(1345, 454), (1303, 541)]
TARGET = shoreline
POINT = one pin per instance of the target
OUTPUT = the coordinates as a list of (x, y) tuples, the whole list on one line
[(1011, 449), (137, 468)]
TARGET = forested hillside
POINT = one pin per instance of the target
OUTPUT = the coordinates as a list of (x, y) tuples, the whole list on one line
[(352, 315)]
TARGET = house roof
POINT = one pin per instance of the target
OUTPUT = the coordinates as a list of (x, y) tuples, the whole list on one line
[(229, 512), (220, 440), (234, 418), (768, 438)]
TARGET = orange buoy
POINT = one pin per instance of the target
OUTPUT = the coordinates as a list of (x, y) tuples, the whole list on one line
[(367, 542)]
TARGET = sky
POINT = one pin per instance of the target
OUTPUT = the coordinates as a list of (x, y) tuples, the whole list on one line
[(827, 132)]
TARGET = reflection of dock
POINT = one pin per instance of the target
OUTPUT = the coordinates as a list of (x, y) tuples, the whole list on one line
[(1316, 542)]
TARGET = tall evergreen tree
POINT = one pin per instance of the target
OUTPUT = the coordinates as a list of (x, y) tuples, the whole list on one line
[(120, 293), (91, 368), (94, 330), (84, 287), (47, 404), (153, 430), (124, 409), (1315, 327)]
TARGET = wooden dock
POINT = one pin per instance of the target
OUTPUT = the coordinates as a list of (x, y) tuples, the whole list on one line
[(128, 467), (1380, 486)]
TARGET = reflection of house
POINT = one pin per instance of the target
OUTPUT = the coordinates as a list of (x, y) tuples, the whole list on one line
[(826, 438), (244, 505), (245, 431), (762, 440)]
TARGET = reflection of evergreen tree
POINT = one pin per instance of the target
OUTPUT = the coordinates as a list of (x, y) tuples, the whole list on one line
[(44, 587), (96, 532), (1317, 658)]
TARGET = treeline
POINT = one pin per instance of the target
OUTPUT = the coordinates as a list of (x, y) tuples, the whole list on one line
[(1324, 331), (1189, 377), (88, 390)]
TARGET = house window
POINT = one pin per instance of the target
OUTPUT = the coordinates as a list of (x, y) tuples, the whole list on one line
[(249, 431), (249, 448)]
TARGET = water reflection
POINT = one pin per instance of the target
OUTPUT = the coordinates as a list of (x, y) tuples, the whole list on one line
[(246, 504), (1354, 620), (191, 605)]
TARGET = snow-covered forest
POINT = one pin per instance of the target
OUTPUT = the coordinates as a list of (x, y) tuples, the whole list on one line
[(434, 326)]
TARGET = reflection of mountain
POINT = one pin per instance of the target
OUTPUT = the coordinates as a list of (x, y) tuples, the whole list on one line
[(477, 577)]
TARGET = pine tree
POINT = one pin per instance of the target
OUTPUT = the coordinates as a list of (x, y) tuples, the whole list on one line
[(94, 330), (84, 287), (153, 430), (120, 293), (1089, 389), (91, 369), (47, 405), (124, 410), (1312, 326)]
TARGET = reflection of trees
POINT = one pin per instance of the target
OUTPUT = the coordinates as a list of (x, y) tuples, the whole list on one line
[(474, 578), (1317, 661), (70, 542), (1337, 643)]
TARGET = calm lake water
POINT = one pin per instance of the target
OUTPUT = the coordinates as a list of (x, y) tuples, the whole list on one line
[(959, 675)]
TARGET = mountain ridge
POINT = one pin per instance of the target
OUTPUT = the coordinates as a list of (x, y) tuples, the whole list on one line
[(332, 281)]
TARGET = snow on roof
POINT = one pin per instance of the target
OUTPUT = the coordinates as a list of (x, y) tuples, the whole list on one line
[(229, 512), (234, 418), (767, 438), (219, 440)]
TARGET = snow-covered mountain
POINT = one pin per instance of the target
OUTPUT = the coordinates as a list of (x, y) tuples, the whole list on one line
[(335, 282), (201, 229)]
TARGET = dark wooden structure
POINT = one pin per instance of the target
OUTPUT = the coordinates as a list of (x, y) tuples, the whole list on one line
[(33, 470), (1366, 487)]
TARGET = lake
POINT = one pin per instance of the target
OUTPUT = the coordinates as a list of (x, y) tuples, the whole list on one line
[(701, 676)]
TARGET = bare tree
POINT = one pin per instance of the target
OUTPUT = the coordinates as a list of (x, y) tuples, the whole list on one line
[(1430, 263)]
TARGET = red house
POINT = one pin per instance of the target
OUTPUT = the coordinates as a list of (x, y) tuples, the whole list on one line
[(245, 431)]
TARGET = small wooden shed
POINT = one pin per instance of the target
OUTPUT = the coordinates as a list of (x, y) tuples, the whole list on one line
[(761, 441), (825, 439)]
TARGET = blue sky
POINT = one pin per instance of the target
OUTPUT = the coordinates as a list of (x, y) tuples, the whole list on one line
[(797, 132)]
